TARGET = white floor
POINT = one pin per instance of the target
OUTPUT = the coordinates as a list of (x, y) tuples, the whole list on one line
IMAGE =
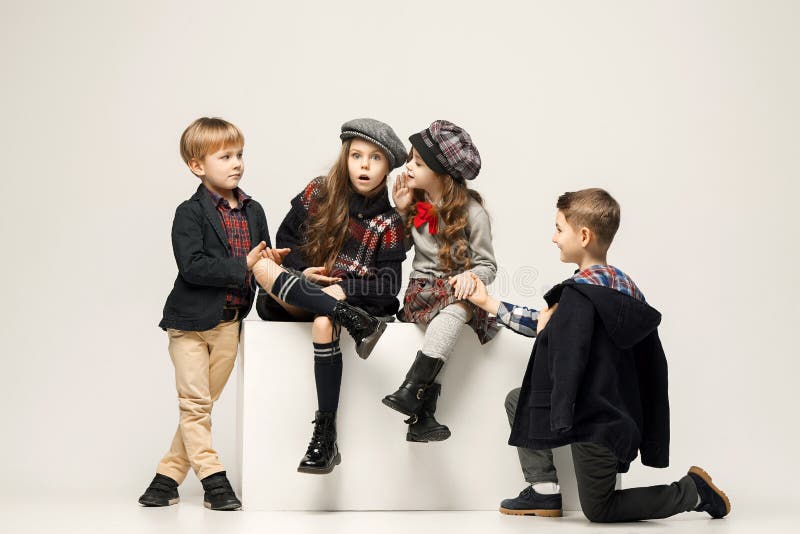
[(117, 515)]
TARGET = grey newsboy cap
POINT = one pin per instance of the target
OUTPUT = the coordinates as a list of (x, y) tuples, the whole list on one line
[(379, 133)]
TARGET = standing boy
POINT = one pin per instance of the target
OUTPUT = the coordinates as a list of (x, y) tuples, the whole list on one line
[(217, 237)]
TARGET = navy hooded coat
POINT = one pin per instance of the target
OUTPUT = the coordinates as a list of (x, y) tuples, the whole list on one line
[(597, 374)]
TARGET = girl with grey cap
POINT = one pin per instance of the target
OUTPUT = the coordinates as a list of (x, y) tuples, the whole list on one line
[(452, 237), (346, 245)]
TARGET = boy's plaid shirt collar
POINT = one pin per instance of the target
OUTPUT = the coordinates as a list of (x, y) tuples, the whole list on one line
[(241, 196), (609, 276)]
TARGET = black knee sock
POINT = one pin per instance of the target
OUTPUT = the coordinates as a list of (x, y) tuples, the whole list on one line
[(300, 292), (328, 374)]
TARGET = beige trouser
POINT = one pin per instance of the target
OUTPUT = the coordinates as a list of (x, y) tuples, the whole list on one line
[(203, 362)]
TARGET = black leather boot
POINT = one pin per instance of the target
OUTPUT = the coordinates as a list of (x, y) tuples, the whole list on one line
[(365, 329), (423, 426), (323, 453), (409, 398)]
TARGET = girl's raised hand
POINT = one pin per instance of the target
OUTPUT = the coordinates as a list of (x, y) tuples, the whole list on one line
[(402, 194)]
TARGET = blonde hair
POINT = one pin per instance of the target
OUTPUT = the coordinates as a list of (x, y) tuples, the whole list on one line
[(207, 135), (594, 209)]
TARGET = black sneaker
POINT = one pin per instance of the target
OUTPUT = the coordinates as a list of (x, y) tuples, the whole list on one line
[(219, 493), (162, 491), (531, 503), (712, 499)]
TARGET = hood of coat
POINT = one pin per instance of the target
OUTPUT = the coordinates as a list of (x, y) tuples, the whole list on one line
[(626, 319)]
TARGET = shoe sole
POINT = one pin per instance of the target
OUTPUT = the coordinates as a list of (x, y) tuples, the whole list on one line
[(226, 508), (369, 342), (155, 504), (322, 471), (699, 471), (540, 513), (396, 407), (439, 435)]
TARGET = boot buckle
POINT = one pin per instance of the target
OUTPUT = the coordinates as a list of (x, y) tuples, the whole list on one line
[(420, 393)]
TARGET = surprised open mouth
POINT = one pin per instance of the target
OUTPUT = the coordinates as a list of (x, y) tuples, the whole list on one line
[(363, 178)]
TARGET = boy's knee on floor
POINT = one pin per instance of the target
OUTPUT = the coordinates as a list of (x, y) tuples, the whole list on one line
[(596, 512)]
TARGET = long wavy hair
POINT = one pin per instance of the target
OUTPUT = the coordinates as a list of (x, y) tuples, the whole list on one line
[(328, 224), (454, 246)]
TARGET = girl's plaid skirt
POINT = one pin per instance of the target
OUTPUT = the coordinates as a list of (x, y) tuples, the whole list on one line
[(426, 297)]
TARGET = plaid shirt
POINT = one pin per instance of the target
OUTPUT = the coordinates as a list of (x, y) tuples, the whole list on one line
[(525, 321), (238, 234), (518, 318), (609, 276)]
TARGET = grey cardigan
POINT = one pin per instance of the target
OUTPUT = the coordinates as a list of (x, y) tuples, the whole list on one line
[(481, 251)]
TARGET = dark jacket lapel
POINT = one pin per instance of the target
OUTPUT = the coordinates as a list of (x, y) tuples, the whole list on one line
[(210, 212)]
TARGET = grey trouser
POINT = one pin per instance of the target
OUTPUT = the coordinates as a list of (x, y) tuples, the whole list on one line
[(596, 474)]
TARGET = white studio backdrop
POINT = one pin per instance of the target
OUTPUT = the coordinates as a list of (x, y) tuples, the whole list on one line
[(686, 111)]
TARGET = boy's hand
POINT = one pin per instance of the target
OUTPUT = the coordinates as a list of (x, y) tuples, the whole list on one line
[(479, 293), (275, 254), (254, 255), (335, 291), (544, 317), (402, 195), (463, 284), (317, 275)]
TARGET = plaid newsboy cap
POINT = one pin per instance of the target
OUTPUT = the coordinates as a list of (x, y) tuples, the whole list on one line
[(379, 133), (448, 149)]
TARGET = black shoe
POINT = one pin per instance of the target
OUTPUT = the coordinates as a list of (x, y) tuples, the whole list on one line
[(409, 398), (323, 453), (531, 503), (162, 491), (365, 329), (219, 493), (712, 499), (423, 427)]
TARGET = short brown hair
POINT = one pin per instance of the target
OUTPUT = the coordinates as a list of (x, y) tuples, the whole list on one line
[(207, 135), (593, 208)]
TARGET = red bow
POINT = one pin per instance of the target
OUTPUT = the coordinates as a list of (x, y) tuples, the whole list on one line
[(426, 213)]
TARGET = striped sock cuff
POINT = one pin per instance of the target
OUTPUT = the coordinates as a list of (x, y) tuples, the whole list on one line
[(327, 351), (283, 284)]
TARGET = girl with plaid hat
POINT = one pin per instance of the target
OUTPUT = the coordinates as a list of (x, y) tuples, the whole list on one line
[(346, 245), (451, 233)]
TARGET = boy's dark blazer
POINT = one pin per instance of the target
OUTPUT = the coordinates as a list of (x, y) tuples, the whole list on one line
[(597, 374), (206, 268)]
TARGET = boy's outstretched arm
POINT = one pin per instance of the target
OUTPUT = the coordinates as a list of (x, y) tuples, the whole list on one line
[(522, 320)]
